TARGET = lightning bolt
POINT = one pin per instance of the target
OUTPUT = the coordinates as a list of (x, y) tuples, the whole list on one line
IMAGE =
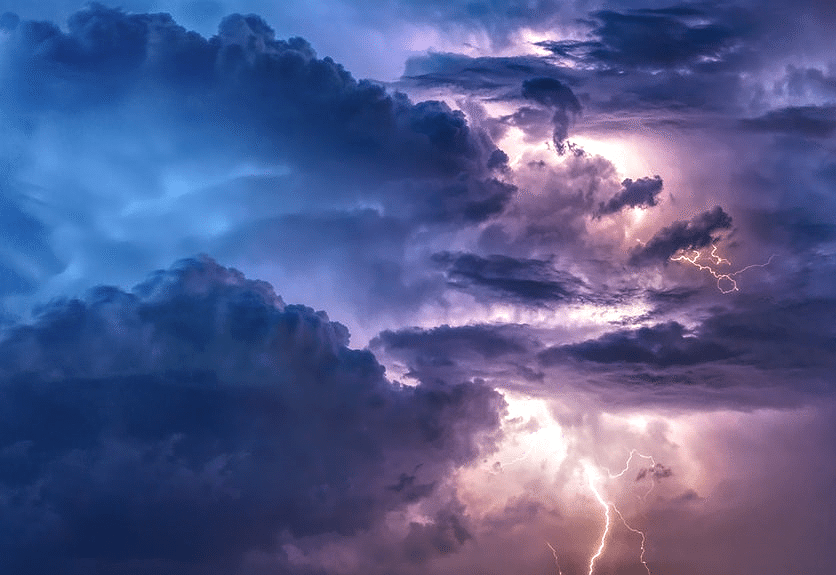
[(627, 466), (606, 506), (554, 553), (609, 507), (639, 532), (696, 255)]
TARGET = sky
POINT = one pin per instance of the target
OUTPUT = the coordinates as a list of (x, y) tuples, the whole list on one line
[(395, 288)]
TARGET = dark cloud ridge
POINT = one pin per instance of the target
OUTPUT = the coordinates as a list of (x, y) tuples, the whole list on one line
[(685, 36), (525, 281), (662, 345), (299, 108), (696, 233), (640, 193), (804, 121)]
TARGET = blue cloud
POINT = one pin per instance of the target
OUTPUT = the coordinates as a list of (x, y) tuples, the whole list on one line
[(197, 417)]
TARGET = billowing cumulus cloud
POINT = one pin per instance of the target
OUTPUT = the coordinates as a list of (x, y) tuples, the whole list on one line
[(197, 417), (247, 79)]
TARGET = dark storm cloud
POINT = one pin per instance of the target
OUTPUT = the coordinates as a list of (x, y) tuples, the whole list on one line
[(478, 74), (119, 123), (696, 233), (683, 58), (452, 353), (445, 351), (792, 332), (533, 121), (559, 97), (684, 36), (278, 87), (806, 121), (523, 281), (485, 341), (195, 418), (749, 332), (641, 192), (663, 345)]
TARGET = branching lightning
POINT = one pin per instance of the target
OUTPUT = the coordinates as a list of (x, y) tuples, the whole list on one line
[(648, 471), (716, 260), (608, 506)]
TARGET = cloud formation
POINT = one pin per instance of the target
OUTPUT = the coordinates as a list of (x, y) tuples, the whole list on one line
[(197, 417), (810, 121), (505, 255), (647, 38), (694, 234), (524, 281), (641, 193), (559, 97), (661, 345)]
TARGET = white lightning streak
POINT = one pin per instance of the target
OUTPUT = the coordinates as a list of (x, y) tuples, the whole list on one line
[(643, 536), (729, 277), (606, 532), (554, 553), (607, 505), (627, 466)]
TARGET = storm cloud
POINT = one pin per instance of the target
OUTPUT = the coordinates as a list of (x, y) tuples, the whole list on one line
[(696, 233), (661, 345), (494, 213), (641, 193), (559, 97), (197, 417), (526, 281)]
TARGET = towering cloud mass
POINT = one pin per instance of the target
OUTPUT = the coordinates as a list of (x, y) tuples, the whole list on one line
[(198, 417), (585, 251)]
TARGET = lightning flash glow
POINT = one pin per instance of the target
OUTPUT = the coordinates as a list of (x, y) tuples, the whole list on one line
[(715, 261)]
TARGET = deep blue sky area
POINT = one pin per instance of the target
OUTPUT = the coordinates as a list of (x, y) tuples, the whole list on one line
[(401, 288)]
